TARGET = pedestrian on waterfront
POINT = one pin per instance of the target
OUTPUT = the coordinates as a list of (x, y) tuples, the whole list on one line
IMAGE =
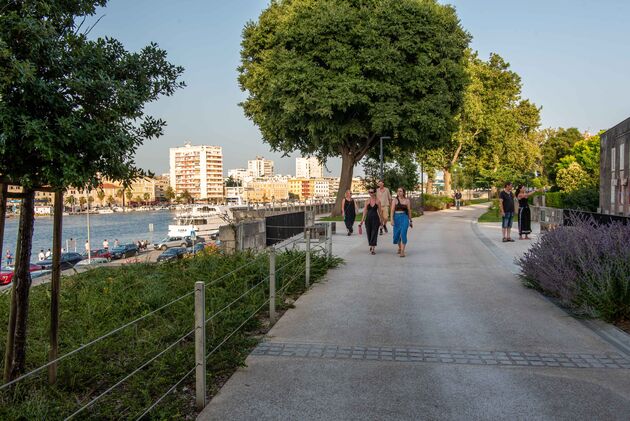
[(458, 199), (385, 197), (116, 242), (506, 210), (373, 218), (41, 256), (48, 254), (401, 219), (524, 213), (9, 257), (106, 244), (349, 211), (72, 245), (87, 247)]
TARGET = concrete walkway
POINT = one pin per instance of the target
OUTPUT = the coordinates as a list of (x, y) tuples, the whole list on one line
[(448, 332)]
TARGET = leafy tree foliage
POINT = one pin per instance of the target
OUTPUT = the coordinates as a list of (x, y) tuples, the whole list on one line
[(71, 108), (399, 172), (557, 145), (329, 77)]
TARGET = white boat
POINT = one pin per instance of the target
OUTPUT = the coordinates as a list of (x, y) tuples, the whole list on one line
[(205, 220), (105, 211)]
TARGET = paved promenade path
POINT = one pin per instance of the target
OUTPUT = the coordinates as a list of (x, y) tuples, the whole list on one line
[(448, 332)]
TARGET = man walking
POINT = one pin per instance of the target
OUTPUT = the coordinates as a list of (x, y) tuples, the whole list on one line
[(458, 199), (506, 210), (385, 197)]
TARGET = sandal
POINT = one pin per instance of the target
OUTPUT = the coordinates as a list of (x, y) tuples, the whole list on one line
[(402, 254)]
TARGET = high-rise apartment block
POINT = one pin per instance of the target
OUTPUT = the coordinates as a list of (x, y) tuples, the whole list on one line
[(308, 168), (260, 167), (198, 170)]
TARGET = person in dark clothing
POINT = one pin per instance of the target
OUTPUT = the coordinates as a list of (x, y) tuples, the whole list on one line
[(524, 213), (349, 211), (506, 209), (373, 218)]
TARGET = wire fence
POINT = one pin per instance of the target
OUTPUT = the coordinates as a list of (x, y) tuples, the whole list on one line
[(287, 274)]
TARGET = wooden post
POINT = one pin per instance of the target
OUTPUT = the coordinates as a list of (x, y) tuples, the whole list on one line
[(54, 286)]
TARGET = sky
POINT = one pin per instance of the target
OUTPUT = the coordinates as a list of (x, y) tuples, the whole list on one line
[(572, 56)]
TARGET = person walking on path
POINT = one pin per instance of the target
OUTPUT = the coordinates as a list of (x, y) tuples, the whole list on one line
[(385, 197), (401, 219), (349, 211), (458, 199), (9, 258), (373, 218), (524, 213), (506, 210)]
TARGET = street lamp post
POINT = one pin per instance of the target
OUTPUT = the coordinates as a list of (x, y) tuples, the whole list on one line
[(381, 154)]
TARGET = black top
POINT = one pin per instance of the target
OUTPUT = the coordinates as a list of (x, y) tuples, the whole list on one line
[(458, 195), (349, 208), (522, 203), (508, 201), (400, 206)]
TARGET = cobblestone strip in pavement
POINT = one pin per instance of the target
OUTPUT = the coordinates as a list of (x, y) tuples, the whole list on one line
[(443, 356)]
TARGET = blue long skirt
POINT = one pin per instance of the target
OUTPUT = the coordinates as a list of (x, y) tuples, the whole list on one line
[(401, 225)]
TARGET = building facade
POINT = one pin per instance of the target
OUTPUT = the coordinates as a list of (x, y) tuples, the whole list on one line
[(238, 174), (614, 171), (265, 191), (260, 167), (308, 168), (197, 170)]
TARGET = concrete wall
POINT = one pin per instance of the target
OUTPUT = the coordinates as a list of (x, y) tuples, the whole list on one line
[(614, 189)]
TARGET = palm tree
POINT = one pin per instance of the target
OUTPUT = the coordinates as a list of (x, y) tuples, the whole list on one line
[(111, 201), (70, 200), (128, 195), (101, 196), (147, 196), (169, 194), (82, 201)]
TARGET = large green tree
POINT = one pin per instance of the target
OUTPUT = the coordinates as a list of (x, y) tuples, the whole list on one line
[(556, 145), (329, 77), (71, 111)]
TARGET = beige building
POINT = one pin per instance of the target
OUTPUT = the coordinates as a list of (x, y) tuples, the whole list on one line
[(269, 190), (198, 170), (162, 182)]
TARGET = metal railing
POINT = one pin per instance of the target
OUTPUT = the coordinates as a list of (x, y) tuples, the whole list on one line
[(287, 274)]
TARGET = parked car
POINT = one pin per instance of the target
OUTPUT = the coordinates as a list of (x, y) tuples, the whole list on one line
[(104, 253), (68, 260), (124, 250), (7, 272), (197, 248), (172, 242), (172, 254), (93, 261)]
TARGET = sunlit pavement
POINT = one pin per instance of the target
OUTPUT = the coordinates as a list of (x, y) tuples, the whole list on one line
[(448, 332)]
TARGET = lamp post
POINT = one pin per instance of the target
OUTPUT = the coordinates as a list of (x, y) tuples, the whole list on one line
[(381, 154)]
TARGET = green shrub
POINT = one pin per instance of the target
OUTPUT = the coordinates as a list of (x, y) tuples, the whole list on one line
[(586, 199), (434, 203)]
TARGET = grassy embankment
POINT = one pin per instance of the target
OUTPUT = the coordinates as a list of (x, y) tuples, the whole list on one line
[(98, 301)]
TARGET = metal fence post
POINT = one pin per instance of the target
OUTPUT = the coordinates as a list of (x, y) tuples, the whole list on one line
[(272, 286), (200, 344), (307, 275), (329, 238)]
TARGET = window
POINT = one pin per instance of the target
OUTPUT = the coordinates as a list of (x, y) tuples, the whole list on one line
[(622, 158), (612, 193), (612, 159)]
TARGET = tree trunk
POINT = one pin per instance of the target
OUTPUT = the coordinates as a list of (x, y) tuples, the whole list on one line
[(15, 353), (447, 181), (430, 182), (345, 179)]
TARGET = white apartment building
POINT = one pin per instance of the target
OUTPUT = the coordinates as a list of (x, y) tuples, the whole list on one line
[(199, 170), (308, 168), (321, 188), (238, 174), (260, 167)]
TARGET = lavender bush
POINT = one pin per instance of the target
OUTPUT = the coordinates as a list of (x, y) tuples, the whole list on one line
[(586, 266)]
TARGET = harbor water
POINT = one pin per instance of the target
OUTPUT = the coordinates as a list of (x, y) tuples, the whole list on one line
[(127, 227)]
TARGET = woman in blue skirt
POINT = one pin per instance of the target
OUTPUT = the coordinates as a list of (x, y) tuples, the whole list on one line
[(401, 219)]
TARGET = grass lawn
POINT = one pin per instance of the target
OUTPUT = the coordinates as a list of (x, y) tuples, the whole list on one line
[(492, 215), (339, 218), (96, 302)]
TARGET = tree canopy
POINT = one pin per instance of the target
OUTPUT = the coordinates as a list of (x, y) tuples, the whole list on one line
[(329, 77)]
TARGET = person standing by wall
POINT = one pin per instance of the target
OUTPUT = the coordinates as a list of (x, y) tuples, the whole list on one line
[(373, 218), (401, 219), (506, 210), (385, 197), (349, 211), (524, 213)]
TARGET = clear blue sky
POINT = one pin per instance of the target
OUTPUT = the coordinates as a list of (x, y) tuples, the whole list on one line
[(572, 55)]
